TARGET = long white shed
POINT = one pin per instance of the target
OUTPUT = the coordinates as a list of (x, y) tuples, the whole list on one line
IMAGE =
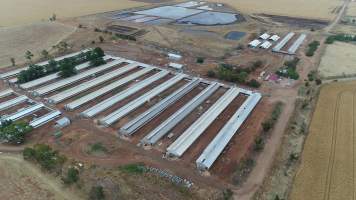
[(45, 119), (73, 79), (13, 102), (163, 129), (184, 141), (104, 90), (24, 112), (100, 107), (145, 117), (66, 94), (121, 112), (217, 145)]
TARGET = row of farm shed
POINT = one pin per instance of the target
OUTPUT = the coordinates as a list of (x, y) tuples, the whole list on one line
[(28, 107), (265, 41), (113, 91)]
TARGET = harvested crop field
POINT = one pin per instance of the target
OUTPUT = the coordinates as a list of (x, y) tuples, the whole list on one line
[(15, 41), (339, 60), (21, 180), (37, 10), (328, 161), (321, 9)]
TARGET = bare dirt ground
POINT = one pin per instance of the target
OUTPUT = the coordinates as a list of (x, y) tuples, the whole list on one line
[(21, 180), (15, 41)]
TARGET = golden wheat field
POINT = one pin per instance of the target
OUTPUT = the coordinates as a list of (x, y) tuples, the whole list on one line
[(18, 12), (316, 9), (327, 170)]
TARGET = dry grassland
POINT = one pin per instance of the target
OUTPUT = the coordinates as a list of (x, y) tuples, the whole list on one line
[(351, 10), (339, 60), (15, 41), (320, 9), (328, 160), (20, 180), (18, 12)]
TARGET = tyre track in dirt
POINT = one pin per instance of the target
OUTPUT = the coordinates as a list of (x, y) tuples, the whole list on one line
[(329, 172)]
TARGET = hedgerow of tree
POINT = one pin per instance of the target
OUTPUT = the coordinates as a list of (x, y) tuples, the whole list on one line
[(45, 156), (65, 67), (14, 132), (340, 37), (237, 74), (312, 47)]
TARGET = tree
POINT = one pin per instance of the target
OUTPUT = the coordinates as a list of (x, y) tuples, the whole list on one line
[(14, 132), (96, 193), (28, 55), (12, 61), (45, 54), (72, 176), (67, 68)]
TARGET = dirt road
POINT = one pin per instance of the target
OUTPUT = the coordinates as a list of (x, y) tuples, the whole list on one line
[(338, 17)]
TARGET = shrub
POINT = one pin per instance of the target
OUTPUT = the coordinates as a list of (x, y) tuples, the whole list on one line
[(96, 193), (71, 177), (318, 81), (254, 83), (135, 168), (227, 194), (259, 144), (200, 60), (211, 74), (44, 155)]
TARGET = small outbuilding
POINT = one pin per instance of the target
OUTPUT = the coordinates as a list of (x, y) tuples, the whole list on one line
[(176, 66), (274, 38), (266, 45), (254, 43), (173, 56), (63, 122), (264, 36)]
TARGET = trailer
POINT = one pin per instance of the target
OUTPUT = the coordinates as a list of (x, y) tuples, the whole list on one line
[(66, 94), (179, 146), (45, 119), (102, 91), (100, 107), (161, 130), (17, 71), (73, 79), (13, 102), (51, 77), (121, 112), (145, 117), (218, 144)]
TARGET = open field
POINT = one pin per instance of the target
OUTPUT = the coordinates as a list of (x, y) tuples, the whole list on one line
[(37, 10), (351, 10), (21, 180), (15, 41), (329, 152), (339, 60), (322, 9)]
